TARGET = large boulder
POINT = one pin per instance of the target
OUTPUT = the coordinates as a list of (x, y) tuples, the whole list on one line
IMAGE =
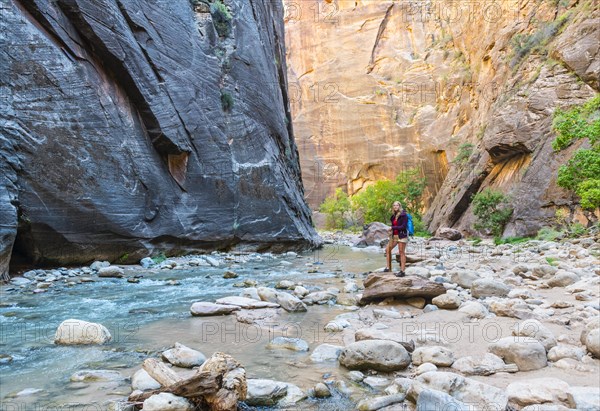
[(376, 334), (263, 392), (439, 356), (183, 356), (527, 353), (537, 391), (448, 233), (535, 329), (79, 332), (376, 355), (477, 394), (485, 287), (206, 309), (374, 234), (592, 342), (383, 285), (287, 301)]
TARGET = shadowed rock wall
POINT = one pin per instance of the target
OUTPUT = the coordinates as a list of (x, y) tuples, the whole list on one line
[(132, 126)]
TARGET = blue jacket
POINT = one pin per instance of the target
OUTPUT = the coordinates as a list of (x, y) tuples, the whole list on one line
[(400, 228)]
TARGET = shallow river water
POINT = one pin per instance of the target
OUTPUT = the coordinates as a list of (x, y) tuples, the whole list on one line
[(150, 316)]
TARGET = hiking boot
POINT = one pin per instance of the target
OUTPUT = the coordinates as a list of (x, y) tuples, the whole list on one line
[(400, 274), (387, 270)]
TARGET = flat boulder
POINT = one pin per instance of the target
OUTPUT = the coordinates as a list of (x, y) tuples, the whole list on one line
[(207, 309), (448, 233), (266, 393), (375, 334), (376, 355), (244, 302), (383, 285), (183, 356)]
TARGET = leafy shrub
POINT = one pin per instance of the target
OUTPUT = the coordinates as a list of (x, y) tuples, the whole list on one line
[(159, 258), (582, 171), (334, 207), (548, 234), (464, 152), (226, 101), (577, 230), (221, 18), (375, 202), (492, 212), (510, 240)]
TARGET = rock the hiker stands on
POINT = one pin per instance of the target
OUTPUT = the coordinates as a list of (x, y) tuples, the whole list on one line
[(382, 285)]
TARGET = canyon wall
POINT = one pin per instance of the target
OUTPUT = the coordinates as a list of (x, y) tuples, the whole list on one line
[(131, 127), (381, 86)]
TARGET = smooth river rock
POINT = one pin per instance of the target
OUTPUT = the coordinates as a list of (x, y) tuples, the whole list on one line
[(376, 355), (79, 332)]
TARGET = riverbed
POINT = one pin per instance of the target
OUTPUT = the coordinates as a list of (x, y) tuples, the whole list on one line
[(150, 316)]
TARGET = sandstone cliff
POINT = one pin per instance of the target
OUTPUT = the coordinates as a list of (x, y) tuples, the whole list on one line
[(380, 86), (132, 126)]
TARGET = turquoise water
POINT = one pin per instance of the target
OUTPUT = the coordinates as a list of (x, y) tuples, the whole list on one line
[(150, 316)]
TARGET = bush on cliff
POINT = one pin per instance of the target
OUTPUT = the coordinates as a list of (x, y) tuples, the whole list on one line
[(492, 211), (221, 18), (582, 171)]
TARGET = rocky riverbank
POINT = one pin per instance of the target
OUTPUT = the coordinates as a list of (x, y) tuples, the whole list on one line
[(513, 326)]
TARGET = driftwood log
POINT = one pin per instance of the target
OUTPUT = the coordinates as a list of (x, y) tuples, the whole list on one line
[(218, 385)]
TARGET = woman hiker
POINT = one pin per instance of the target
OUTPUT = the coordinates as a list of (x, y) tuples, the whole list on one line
[(398, 236)]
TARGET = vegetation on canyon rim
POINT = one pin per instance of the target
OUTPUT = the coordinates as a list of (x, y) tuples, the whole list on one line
[(582, 172)]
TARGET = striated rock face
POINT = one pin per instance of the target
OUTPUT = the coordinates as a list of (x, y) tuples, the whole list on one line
[(132, 126), (379, 86)]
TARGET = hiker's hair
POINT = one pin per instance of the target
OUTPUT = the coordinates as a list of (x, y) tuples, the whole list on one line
[(399, 210)]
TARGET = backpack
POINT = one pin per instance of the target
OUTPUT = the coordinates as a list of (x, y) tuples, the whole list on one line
[(410, 227)]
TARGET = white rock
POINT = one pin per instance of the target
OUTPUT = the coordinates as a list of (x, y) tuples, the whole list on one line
[(440, 356), (167, 402), (527, 353), (205, 308), (535, 329), (584, 398), (446, 301), (288, 343), (486, 287), (376, 382), (474, 309), (245, 302), (464, 389), (183, 356), (592, 342), (483, 365), (76, 332), (537, 391), (425, 367), (326, 352), (263, 392), (111, 271), (141, 380), (565, 351)]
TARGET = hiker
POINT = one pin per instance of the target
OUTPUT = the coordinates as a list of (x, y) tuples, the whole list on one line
[(398, 236)]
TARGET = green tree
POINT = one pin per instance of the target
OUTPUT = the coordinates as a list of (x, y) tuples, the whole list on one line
[(375, 202), (335, 207), (492, 211), (581, 174)]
